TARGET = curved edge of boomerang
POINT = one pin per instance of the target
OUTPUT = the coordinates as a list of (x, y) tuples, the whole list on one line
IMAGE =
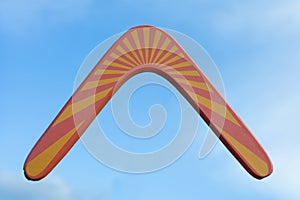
[(145, 49)]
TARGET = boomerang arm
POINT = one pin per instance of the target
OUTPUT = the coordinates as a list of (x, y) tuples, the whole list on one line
[(221, 118), (144, 49)]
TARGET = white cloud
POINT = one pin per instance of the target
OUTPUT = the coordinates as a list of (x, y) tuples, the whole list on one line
[(14, 186)]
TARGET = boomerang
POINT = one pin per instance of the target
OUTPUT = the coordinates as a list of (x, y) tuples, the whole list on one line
[(145, 49)]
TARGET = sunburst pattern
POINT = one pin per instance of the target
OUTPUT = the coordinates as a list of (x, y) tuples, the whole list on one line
[(144, 49)]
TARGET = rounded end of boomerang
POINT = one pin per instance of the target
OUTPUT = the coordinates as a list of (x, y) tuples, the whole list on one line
[(30, 176), (264, 171), (33, 171), (257, 166)]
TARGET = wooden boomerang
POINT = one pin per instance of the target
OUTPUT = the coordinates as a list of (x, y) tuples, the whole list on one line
[(145, 49)]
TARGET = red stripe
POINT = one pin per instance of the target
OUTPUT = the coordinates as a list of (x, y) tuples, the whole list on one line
[(134, 57), (163, 37), (127, 59), (170, 45), (54, 133), (92, 91), (168, 58), (57, 158), (149, 54), (160, 56), (103, 76), (118, 61), (241, 134), (128, 52), (130, 38), (154, 55), (188, 68), (176, 62), (141, 37), (110, 67), (204, 93), (151, 35), (144, 55)]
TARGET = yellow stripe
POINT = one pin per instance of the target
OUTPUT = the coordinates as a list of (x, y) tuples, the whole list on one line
[(151, 54), (166, 43), (164, 57), (115, 56), (146, 54), (80, 105), (181, 55), (146, 37), (185, 73), (41, 161), (157, 55), (175, 58), (138, 44), (146, 42), (214, 106), (135, 37), (259, 165), (155, 42), (108, 71), (142, 56), (173, 49), (132, 59), (123, 52), (114, 64), (128, 45), (182, 64), (156, 38), (94, 84), (196, 84), (107, 62)]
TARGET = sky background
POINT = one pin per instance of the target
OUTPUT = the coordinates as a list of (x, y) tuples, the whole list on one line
[(255, 45)]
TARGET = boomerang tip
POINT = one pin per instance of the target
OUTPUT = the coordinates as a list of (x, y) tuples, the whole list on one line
[(30, 174), (262, 171)]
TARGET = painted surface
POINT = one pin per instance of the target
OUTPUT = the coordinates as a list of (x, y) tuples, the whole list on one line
[(145, 49)]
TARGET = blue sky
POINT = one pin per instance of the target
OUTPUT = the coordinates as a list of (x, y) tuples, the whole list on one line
[(255, 45)]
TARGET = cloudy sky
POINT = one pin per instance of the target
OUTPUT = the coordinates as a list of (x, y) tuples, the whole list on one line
[(255, 46)]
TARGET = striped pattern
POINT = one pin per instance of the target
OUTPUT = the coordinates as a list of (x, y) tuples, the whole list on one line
[(144, 49)]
